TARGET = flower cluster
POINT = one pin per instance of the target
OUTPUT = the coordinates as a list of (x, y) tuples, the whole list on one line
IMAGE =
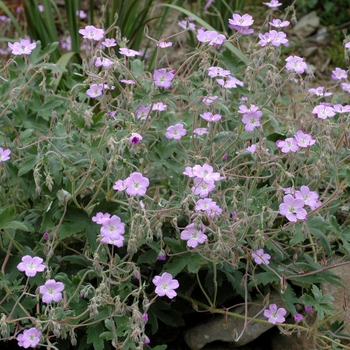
[(112, 230), (134, 184), (204, 179), (324, 110), (295, 200), (292, 144), (274, 38), (194, 234), (209, 207), (251, 117), (319, 91), (210, 37)]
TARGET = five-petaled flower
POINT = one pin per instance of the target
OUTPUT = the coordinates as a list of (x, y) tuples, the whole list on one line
[(51, 291), (194, 234), (23, 47), (165, 285), (4, 154), (274, 314), (128, 52), (162, 78), (296, 63), (260, 257), (292, 208), (136, 184), (30, 266), (175, 131), (29, 338), (92, 33)]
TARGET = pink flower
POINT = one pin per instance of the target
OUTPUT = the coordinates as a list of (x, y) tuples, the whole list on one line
[(206, 173), (51, 291), (288, 145), (338, 108), (208, 100), (164, 44), (209, 207), (194, 234), (273, 37), (109, 42), (304, 140), (347, 45), (128, 52), (175, 132), (29, 338), (214, 72), (308, 309), (309, 198), (230, 82), (100, 218), (210, 117), (241, 21), (292, 208), (103, 61), (92, 33), (272, 3), (200, 131), (95, 90), (251, 120), (31, 265), (24, 47), (162, 78), (275, 315), (202, 188), (135, 138), (242, 30), (4, 154), (296, 63), (185, 24), (165, 285), (112, 231), (298, 318), (127, 81), (119, 186), (339, 74), (211, 37), (319, 91), (136, 184), (323, 111), (346, 87), (277, 23), (159, 106), (142, 112), (251, 148), (260, 257), (81, 14)]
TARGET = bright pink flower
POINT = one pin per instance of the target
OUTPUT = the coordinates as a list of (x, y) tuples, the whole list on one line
[(209, 207), (112, 231), (31, 265), (194, 234), (92, 33), (185, 24), (81, 14), (159, 106), (162, 78), (260, 257), (95, 90), (288, 145), (296, 63), (23, 47), (242, 30), (175, 131), (136, 184), (51, 291), (119, 186), (29, 338), (165, 285), (338, 108), (4, 154), (346, 87), (292, 208), (274, 314), (298, 318), (308, 309)]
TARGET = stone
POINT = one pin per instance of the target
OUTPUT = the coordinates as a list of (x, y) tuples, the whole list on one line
[(307, 25), (219, 329)]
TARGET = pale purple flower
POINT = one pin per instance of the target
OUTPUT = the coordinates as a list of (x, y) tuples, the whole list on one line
[(296, 64), (230, 83), (161, 256), (51, 291), (103, 61), (292, 208), (251, 148), (100, 218), (66, 43), (338, 108), (244, 109), (159, 106), (162, 78), (272, 3), (202, 188), (142, 112), (347, 45), (208, 4), (41, 8), (81, 14), (209, 207), (5, 19), (208, 100), (279, 38), (23, 47), (206, 172), (319, 91), (144, 317), (127, 81), (288, 145), (242, 30), (189, 172), (346, 87), (185, 24), (251, 120), (304, 140), (308, 309), (95, 90), (4, 154), (339, 74), (309, 198), (265, 39), (128, 52), (289, 190), (241, 21), (92, 33), (194, 234), (214, 72), (175, 131), (109, 42), (112, 231), (200, 131), (165, 285), (298, 317), (211, 37), (323, 111), (274, 314), (277, 23), (260, 257), (135, 138), (210, 117), (164, 44), (29, 338), (136, 184), (30, 266), (111, 113)]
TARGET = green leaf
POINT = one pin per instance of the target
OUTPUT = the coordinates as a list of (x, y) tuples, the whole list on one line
[(27, 165), (177, 264), (6, 217), (93, 336), (195, 263)]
